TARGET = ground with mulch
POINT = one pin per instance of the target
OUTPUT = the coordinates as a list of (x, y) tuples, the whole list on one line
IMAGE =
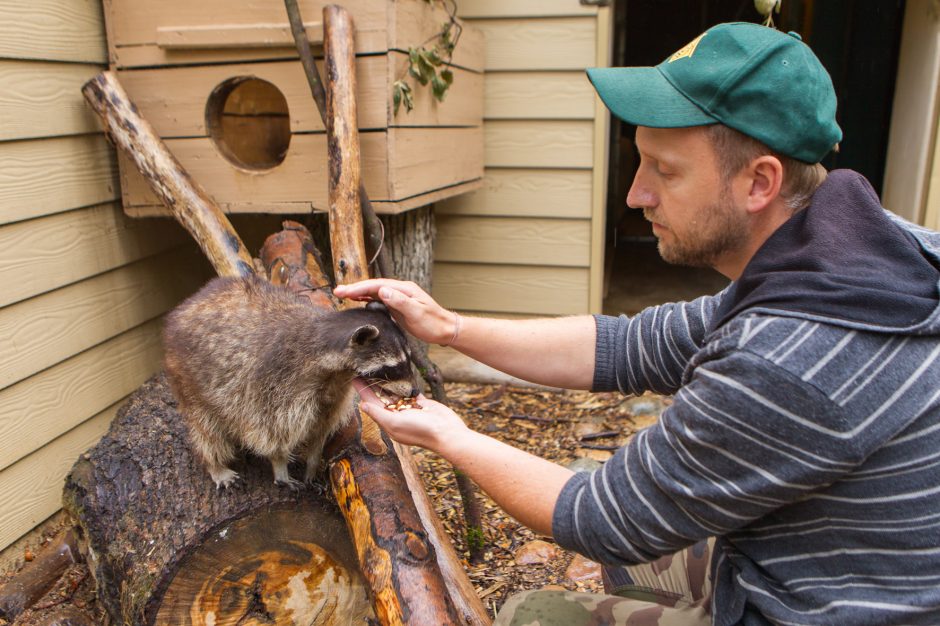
[(577, 429)]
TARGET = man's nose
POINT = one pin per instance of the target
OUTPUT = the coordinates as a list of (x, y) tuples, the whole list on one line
[(639, 196)]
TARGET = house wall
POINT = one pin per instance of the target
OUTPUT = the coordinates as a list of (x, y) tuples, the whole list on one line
[(531, 241), (82, 288)]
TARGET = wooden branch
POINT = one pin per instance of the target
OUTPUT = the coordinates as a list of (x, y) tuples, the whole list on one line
[(291, 259), (342, 138), (37, 577), (374, 232), (186, 199)]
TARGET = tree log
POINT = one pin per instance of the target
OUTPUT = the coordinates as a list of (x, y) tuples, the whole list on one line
[(37, 577), (165, 546)]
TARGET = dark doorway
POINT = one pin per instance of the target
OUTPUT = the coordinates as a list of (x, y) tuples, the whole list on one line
[(856, 40)]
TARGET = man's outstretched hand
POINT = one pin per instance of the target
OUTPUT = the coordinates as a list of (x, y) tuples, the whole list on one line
[(429, 427), (410, 306)]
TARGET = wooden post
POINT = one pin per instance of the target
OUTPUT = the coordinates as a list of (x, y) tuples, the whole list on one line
[(350, 265)]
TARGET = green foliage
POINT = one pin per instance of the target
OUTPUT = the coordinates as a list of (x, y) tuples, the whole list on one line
[(475, 539), (430, 64)]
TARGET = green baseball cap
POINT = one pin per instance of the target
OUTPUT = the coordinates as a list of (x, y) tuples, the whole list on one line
[(757, 80)]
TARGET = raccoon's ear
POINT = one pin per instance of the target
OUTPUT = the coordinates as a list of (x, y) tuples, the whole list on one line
[(363, 335), (375, 305)]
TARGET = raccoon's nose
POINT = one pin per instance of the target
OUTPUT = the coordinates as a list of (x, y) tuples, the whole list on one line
[(414, 392)]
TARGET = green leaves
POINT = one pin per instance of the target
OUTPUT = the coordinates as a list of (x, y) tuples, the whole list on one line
[(424, 65), (401, 92)]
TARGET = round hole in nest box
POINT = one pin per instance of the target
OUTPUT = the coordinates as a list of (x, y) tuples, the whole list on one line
[(249, 123)]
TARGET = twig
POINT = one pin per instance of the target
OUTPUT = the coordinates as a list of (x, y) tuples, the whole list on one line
[(598, 446), (541, 420), (600, 435)]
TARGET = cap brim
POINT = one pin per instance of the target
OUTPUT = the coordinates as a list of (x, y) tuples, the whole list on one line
[(642, 96)]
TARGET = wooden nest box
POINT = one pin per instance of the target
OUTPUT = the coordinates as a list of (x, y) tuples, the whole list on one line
[(221, 84)]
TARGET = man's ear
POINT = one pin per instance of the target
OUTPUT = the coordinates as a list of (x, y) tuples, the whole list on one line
[(765, 174), (363, 335)]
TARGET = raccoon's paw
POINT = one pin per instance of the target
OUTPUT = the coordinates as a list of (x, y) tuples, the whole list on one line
[(293, 483), (224, 477)]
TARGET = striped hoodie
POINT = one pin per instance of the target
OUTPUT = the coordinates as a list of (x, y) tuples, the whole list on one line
[(804, 431)]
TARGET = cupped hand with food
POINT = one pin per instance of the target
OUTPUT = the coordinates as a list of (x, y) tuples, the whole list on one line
[(526, 486), (410, 306), (429, 425)]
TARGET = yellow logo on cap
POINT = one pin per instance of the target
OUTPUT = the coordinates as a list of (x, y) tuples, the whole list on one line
[(687, 50)]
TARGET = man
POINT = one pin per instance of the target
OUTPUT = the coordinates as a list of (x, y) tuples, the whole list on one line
[(805, 430)]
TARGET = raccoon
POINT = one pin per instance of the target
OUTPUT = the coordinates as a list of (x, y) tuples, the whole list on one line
[(254, 366)]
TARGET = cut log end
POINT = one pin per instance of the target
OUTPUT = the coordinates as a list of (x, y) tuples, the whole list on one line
[(267, 569)]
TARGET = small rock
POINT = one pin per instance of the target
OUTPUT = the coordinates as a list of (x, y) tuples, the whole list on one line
[(535, 553), (584, 464), (582, 568), (644, 407)]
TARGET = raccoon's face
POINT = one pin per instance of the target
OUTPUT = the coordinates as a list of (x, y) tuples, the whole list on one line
[(379, 351)]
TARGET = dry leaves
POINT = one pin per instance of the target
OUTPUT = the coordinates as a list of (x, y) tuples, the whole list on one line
[(560, 426)]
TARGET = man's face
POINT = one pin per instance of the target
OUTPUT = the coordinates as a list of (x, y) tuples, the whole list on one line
[(682, 193)]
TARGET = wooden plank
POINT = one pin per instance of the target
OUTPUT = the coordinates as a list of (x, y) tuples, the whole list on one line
[(520, 241), (381, 207), (424, 199), (418, 21), (526, 192), (54, 30), (558, 43), (298, 183), (511, 288), (914, 113), (600, 169), (32, 488), (174, 100), (422, 159), (235, 36), (523, 8), (35, 411), (932, 209), (133, 26), (538, 95), (45, 330), (42, 177), (42, 99), (523, 143), (40, 255)]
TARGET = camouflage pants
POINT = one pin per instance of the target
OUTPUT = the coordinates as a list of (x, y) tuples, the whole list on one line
[(673, 590)]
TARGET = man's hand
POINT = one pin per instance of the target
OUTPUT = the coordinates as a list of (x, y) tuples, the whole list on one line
[(428, 427), (410, 306), (523, 484)]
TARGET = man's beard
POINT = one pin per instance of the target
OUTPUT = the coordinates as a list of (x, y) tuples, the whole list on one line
[(722, 230)]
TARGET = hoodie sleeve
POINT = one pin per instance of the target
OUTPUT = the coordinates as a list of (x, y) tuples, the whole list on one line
[(742, 438), (650, 351)]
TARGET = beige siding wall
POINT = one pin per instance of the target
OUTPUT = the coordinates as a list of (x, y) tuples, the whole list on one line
[(82, 288), (530, 241)]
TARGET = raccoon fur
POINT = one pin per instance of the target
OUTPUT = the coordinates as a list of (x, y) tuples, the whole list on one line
[(254, 366)]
